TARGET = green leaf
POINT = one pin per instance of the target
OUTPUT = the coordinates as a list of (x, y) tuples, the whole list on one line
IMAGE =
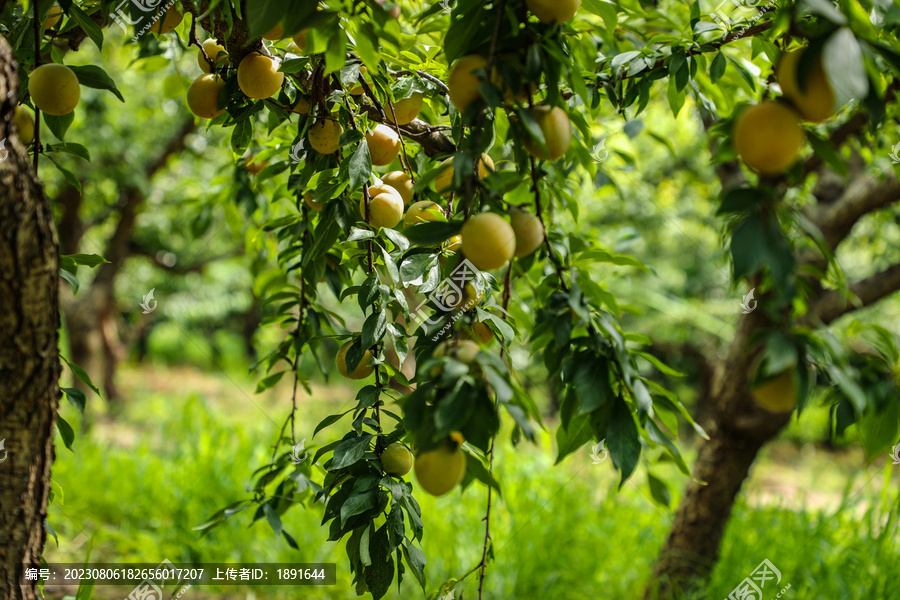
[(273, 519), (82, 375), (336, 53), (656, 434), (93, 76), (414, 268), (380, 574), (827, 153), (431, 233), (65, 430), (269, 382), (622, 440), (73, 149), (86, 23), (659, 491), (59, 125), (71, 278), (350, 451), (569, 439), (75, 397), (373, 329), (590, 377), (68, 175), (416, 560), (358, 504), (360, 165), (479, 471), (265, 16), (717, 68), (879, 430), (357, 234), (616, 259), (241, 136), (742, 199), (327, 421)]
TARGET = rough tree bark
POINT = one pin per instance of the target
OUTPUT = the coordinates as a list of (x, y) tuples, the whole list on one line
[(29, 357)]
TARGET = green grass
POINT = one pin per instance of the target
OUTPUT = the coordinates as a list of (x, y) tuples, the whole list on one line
[(186, 444)]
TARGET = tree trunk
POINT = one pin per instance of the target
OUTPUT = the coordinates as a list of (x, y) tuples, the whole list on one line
[(739, 429), (29, 356), (692, 548)]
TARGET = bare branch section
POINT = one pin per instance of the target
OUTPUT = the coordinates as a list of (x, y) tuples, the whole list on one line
[(431, 139), (832, 303), (738, 34), (863, 196)]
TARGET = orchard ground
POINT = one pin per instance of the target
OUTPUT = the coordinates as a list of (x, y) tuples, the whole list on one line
[(137, 486)]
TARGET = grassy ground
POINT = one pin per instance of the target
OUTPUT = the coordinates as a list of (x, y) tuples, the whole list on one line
[(186, 443)]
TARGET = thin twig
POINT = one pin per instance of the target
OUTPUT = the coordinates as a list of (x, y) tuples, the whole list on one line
[(540, 215), (37, 63), (192, 39), (404, 159)]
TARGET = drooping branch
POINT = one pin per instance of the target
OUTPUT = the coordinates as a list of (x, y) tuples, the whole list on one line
[(428, 136), (832, 304), (863, 196)]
